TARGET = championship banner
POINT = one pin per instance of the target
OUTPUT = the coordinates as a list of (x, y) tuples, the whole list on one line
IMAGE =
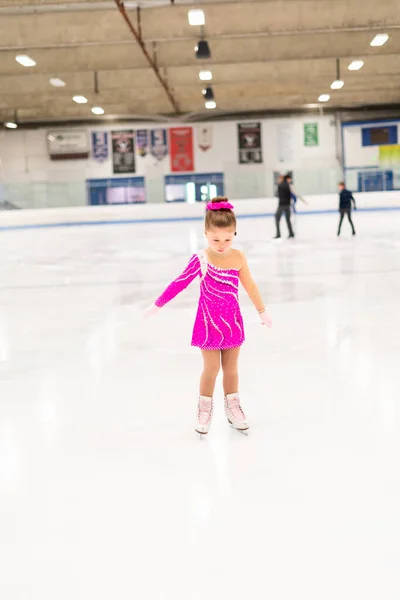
[(123, 151), (204, 137), (249, 135), (142, 141), (181, 149), (285, 141), (158, 143), (100, 145)]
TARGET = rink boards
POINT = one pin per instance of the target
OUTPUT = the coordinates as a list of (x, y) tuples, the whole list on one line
[(160, 212)]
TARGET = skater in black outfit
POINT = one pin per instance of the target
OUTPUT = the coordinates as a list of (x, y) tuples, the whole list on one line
[(285, 197), (346, 198)]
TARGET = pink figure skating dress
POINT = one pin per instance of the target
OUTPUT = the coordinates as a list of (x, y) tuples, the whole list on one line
[(219, 323)]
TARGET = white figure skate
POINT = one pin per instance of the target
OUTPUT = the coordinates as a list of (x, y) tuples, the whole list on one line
[(235, 415), (204, 415)]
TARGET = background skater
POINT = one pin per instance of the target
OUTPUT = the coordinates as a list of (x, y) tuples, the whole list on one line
[(346, 198), (284, 207)]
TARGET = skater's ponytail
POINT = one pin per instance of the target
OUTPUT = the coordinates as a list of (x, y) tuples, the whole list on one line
[(220, 214)]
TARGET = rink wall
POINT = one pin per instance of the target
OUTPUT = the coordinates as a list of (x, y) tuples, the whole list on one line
[(30, 179), (140, 213)]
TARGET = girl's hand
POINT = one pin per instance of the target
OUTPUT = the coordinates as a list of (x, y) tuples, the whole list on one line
[(151, 310), (266, 319)]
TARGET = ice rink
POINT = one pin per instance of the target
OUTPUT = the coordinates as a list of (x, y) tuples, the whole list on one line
[(106, 490)]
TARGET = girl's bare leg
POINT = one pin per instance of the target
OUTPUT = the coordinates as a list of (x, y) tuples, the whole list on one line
[(212, 364), (229, 359)]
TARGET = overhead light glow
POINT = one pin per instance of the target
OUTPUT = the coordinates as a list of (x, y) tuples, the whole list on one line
[(11, 125), (97, 110), (56, 82), (211, 104), (205, 75), (79, 99), (356, 65), (196, 17), (337, 84), (324, 98), (25, 61), (380, 39)]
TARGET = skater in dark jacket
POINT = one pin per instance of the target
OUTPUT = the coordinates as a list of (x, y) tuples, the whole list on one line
[(346, 198), (285, 198)]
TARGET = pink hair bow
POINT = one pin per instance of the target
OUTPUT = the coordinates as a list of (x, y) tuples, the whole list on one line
[(219, 205)]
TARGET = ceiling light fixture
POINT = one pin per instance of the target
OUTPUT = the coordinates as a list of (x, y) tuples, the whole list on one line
[(80, 99), (202, 49), (205, 75), (56, 82), (211, 104), (97, 110), (11, 125), (196, 17), (25, 61), (324, 98), (380, 39), (356, 65)]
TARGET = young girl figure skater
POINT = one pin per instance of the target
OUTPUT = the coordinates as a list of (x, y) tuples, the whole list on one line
[(218, 328)]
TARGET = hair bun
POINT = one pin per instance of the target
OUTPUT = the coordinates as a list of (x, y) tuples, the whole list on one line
[(220, 204), (220, 213)]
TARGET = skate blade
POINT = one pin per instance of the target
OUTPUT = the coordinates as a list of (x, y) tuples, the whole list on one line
[(201, 433), (242, 431)]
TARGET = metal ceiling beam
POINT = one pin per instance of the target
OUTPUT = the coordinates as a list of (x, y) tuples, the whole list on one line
[(150, 60), (210, 36), (346, 113), (186, 61), (70, 7)]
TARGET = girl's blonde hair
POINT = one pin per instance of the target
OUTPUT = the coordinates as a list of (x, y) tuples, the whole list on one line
[(224, 217)]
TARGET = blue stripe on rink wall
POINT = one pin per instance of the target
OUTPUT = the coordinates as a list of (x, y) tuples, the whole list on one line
[(180, 219)]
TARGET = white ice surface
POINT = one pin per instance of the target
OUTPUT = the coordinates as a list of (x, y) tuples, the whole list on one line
[(106, 492)]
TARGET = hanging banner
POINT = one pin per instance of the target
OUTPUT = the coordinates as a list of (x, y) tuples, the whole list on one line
[(181, 144), (311, 134), (142, 141), (285, 141), (204, 137), (123, 151), (389, 156), (100, 145), (249, 135), (158, 143)]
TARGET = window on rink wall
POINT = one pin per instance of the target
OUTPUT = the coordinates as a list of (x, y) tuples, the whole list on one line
[(191, 188), (375, 181), (119, 190), (371, 155)]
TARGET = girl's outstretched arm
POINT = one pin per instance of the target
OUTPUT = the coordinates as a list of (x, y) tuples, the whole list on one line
[(178, 285)]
